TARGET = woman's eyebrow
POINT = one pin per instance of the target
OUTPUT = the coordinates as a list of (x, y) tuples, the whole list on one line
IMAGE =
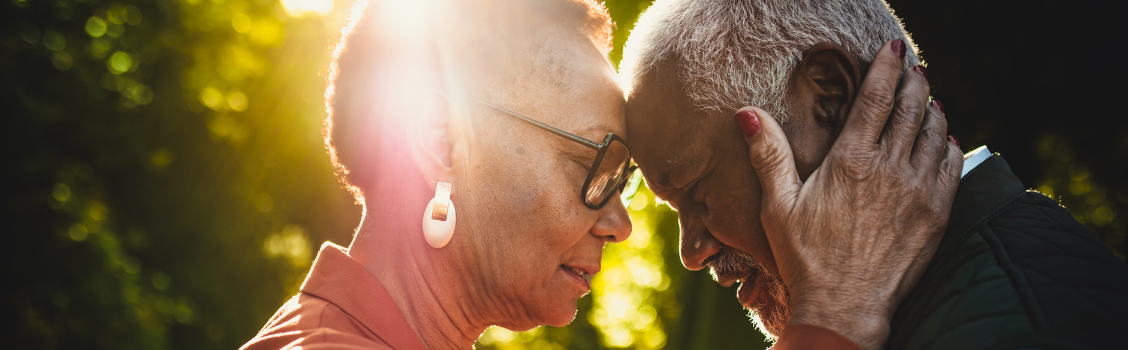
[(578, 153), (594, 133)]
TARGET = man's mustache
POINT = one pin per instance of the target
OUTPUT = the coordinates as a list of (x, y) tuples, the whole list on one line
[(732, 264)]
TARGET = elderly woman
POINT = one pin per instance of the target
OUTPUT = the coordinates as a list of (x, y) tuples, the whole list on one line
[(483, 142)]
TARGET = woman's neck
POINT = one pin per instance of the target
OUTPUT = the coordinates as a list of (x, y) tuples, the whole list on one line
[(442, 314)]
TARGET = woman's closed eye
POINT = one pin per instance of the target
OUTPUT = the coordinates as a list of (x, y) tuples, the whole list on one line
[(577, 166), (584, 164), (584, 161)]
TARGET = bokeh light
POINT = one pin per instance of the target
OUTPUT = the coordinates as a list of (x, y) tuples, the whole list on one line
[(300, 7), (1071, 182)]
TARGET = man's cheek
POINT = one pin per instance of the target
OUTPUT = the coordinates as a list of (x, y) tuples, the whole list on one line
[(737, 232)]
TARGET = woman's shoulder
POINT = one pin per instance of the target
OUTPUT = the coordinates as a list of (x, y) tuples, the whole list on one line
[(313, 339), (309, 322)]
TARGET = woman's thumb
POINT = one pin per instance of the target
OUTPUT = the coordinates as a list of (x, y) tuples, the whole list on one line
[(771, 157)]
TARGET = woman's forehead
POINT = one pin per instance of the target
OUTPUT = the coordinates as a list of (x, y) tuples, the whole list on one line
[(590, 109)]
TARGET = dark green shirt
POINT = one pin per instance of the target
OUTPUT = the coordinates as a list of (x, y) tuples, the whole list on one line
[(1014, 271)]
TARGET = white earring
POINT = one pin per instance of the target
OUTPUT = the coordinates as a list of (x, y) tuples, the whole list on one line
[(439, 217)]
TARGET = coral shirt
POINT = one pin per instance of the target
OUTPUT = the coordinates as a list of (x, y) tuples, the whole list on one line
[(341, 306)]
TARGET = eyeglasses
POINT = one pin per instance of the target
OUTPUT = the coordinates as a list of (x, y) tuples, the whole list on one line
[(609, 173)]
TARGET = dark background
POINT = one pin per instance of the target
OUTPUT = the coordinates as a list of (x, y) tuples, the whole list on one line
[(149, 205)]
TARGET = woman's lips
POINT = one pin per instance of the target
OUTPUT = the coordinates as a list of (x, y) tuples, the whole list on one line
[(582, 279)]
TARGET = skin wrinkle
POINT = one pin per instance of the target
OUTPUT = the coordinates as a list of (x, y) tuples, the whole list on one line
[(766, 38), (569, 195), (680, 169), (417, 308), (688, 64), (519, 220)]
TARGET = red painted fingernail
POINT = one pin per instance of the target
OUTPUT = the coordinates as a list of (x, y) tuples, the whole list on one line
[(938, 105), (920, 69), (898, 47), (954, 140), (749, 123)]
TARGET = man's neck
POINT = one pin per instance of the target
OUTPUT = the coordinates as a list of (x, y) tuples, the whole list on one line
[(439, 310)]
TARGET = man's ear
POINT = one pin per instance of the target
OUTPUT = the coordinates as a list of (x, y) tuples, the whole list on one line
[(831, 77), (430, 138)]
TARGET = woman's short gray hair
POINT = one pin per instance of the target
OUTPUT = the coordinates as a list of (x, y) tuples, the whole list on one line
[(734, 53)]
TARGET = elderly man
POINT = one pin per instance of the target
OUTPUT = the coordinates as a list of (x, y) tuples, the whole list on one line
[(1013, 270)]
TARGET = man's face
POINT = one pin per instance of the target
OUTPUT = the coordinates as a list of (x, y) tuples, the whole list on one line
[(698, 162)]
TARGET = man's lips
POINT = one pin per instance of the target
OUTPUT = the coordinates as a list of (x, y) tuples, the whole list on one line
[(749, 290), (728, 278)]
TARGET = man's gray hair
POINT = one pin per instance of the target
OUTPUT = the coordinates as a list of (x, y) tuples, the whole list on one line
[(734, 53)]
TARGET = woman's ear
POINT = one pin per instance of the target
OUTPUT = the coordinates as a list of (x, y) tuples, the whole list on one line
[(430, 140), (830, 76)]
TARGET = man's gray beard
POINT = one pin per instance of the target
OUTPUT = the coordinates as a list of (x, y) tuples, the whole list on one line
[(772, 323)]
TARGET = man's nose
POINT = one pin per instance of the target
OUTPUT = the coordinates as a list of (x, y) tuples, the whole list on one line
[(697, 244), (614, 224)]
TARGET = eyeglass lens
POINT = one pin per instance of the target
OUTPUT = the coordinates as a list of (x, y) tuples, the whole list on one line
[(609, 173)]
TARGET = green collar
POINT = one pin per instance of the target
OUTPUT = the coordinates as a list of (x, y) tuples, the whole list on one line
[(986, 189)]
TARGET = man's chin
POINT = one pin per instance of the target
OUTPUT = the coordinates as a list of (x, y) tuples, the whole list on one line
[(771, 309), (768, 322)]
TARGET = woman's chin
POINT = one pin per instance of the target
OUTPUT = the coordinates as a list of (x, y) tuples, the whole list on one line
[(564, 319), (562, 314)]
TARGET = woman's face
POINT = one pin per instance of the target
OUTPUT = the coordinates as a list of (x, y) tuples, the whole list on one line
[(520, 195)]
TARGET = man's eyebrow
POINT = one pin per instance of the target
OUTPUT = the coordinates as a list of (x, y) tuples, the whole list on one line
[(657, 179), (662, 184), (677, 162), (679, 168)]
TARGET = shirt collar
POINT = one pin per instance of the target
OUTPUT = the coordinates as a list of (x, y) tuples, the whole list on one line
[(974, 158), (344, 282)]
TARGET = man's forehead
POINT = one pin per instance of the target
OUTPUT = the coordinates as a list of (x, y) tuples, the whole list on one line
[(667, 157), (663, 124)]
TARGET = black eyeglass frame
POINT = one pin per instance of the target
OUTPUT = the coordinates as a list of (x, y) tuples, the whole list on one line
[(600, 148)]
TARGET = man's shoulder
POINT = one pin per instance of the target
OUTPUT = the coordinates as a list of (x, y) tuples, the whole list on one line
[(1054, 260), (1026, 275), (309, 322), (1070, 283)]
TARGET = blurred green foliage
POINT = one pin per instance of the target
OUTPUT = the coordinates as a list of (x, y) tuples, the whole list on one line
[(172, 186), (168, 185), (1069, 179), (171, 180)]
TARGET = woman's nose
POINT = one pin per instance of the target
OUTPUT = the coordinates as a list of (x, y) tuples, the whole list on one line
[(614, 224), (697, 244)]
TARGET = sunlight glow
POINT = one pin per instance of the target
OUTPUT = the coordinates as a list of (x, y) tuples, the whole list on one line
[(630, 288), (409, 72), (297, 8), (406, 19)]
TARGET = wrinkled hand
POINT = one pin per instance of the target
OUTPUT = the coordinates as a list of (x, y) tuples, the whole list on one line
[(852, 240)]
